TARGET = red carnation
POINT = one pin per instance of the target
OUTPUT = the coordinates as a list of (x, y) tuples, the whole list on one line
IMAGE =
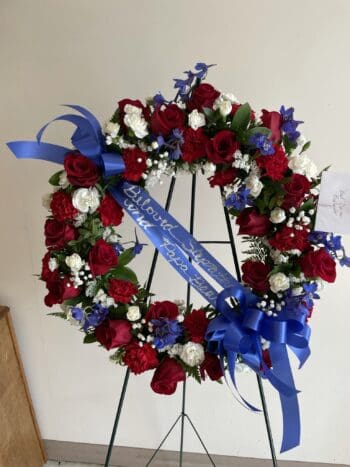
[(203, 96), (121, 291), (223, 177), (58, 233), (102, 258), (212, 367), (167, 375), (60, 290), (163, 121), (295, 191), (81, 171), (255, 275), (62, 207), (113, 333), (222, 147), (139, 359), (289, 238), (111, 212), (273, 121), (274, 166), (46, 273), (252, 223), (196, 324), (195, 142), (135, 164), (165, 309), (318, 263)]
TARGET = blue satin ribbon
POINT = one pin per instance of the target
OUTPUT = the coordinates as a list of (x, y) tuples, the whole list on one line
[(232, 332)]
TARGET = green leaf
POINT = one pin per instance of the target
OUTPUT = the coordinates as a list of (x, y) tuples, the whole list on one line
[(59, 314), (125, 274), (305, 147), (55, 178), (208, 112), (258, 130), (72, 301), (89, 339), (242, 118), (125, 257)]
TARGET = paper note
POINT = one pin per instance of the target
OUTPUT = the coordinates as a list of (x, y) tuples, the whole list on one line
[(333, 211)]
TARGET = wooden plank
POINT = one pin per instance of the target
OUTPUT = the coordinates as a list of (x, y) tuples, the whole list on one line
[(20, 441), (137, 457)]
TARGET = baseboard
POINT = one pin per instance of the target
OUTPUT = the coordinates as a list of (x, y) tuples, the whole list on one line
[(137, 457)]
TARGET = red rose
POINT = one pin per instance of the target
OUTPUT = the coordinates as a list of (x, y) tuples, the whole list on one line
[(203, 95), (135, 164), (289, 238), (81, 171), (295, 191), (60, 290), (195, 142), (166, 376), (140, 359), (236, 106), (62, 207), (113, 333), (255, 275), (165, 309), (167, 119), (111, 212), (121, 291), (274, 166), (136, 103), (46, 273), (58, 233), (212, 367), (273, 121), (223, 177), (222, 147), (318, 263), (102, 258), (196, 324), (252, 223)]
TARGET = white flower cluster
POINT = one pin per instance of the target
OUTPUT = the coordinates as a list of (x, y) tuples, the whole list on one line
[(102, 298), (86, 200), (224, 103), (134, 119), (303, 165), (80, 271), (190, 353), (196, 119)]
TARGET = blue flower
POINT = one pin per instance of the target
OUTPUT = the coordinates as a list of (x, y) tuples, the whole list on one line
[(238, 200), (173, 144), (77, 313), (158, 100), (184, 86), (138, 246), (261, 142), (165, 332), (118, 248), (289, 125), (310, 294), (97, 315)]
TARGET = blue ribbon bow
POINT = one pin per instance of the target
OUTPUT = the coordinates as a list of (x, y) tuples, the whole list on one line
[(233, 332)]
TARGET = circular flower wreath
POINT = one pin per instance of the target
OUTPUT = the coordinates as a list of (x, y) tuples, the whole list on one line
[(269, 185)]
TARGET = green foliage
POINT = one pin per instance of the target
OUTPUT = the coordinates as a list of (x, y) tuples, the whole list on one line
[(261, 130), (59, 314), (55, 178), (89, 339), (126, 256), (118, 356), (257, 250), (124, 273), (305, 147), (241, 118)]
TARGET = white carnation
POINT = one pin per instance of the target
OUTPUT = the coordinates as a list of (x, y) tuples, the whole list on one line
[(175, 350), (103, 298), (110, 233), (112, 129), (279, 282), (209, 168), (196, 119), (192, 354), (137, 123), (63, 180), (254, 184), (303, 165), (130, 109), (53, 264), (86, 199), (74, 262), (224, 103), (277, 215), (133, 313)]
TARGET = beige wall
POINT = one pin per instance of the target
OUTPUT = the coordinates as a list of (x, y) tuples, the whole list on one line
[(95, 52)]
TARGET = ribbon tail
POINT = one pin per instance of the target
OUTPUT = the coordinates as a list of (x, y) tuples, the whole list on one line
[(231, 360), (34, 150), (289, 404)]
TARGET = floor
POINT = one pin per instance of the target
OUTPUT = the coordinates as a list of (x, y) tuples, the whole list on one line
[(68, 464)]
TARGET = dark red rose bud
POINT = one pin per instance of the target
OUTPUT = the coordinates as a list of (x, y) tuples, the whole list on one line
[(163, 121), (318, 263), (167, 375), (203, 96), (295, 190), (60, 290), (289, 238), (81, 171), (252, 223), (102, 258), (223, 177), (165, 309), (113, 333), (222, 147), (212, 367), (58, 233), (273, 121), (255, 275)]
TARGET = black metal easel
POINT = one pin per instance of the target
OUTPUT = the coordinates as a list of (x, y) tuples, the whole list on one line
[(183, 415)]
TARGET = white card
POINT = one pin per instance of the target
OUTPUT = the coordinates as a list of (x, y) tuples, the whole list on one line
[(333, 211)]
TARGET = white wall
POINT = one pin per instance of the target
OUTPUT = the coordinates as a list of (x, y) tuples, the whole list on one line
[(94, 53)]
